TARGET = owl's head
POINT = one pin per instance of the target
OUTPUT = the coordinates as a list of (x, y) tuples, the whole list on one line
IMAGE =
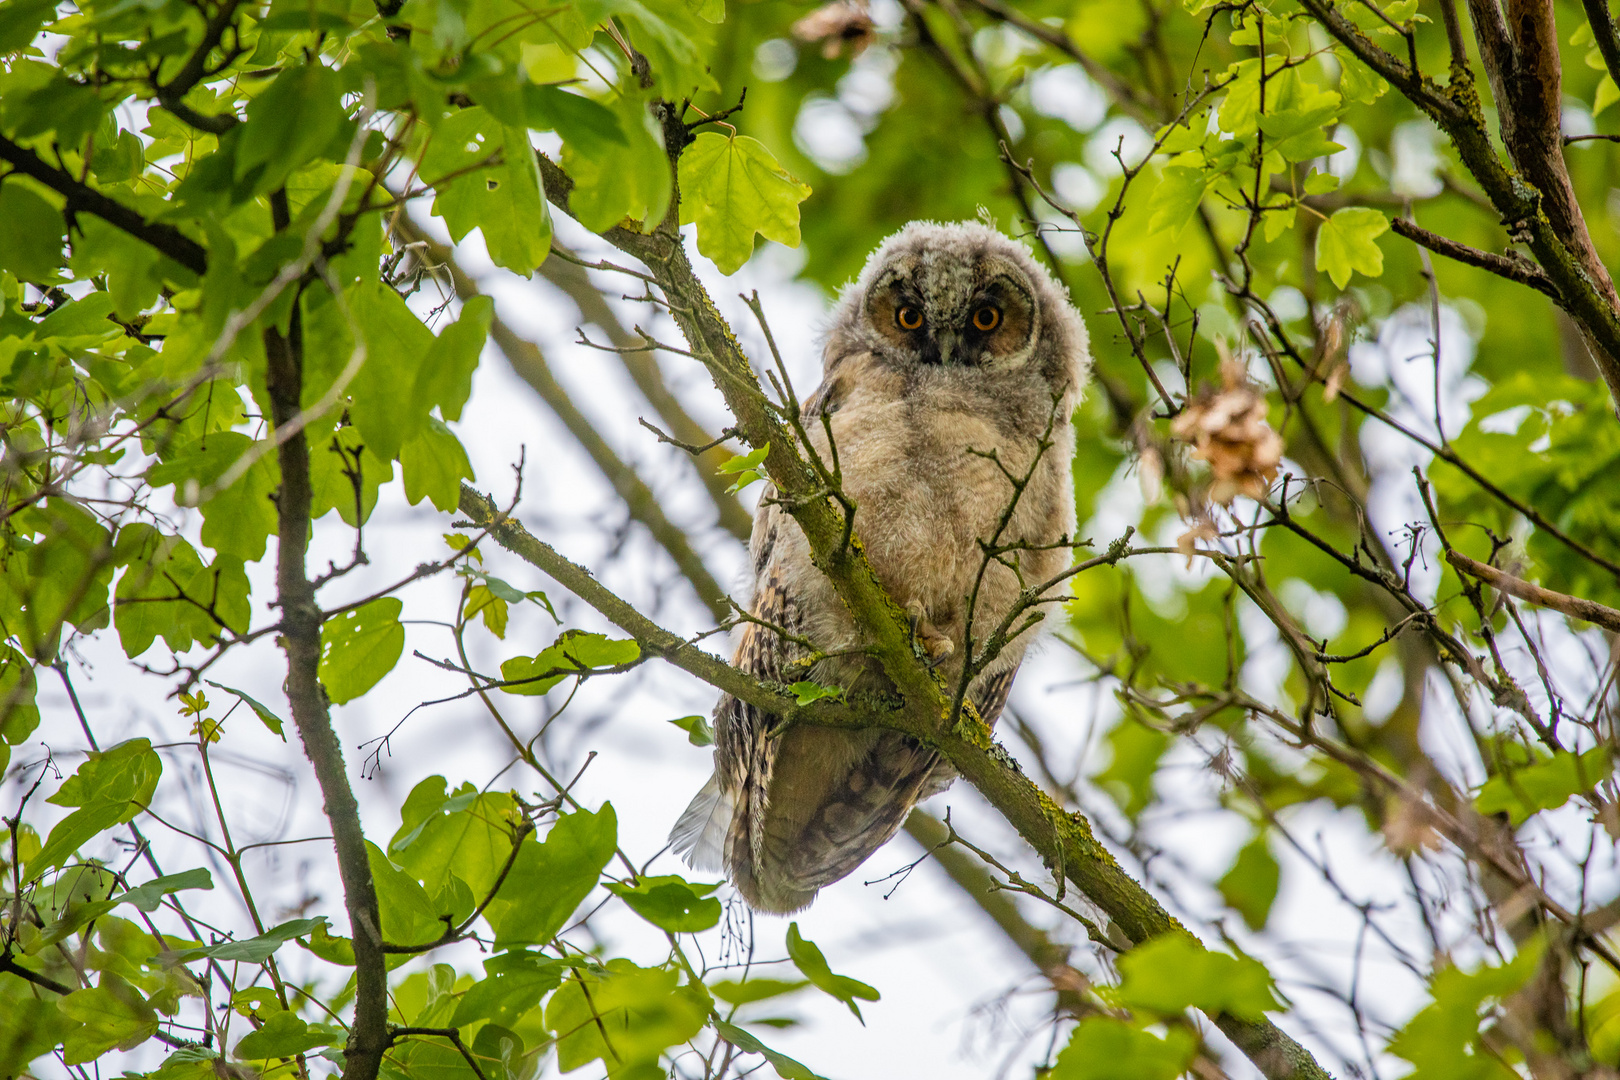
[(965, 300)]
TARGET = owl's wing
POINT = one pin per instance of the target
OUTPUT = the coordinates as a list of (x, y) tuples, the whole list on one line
[(742, 761)]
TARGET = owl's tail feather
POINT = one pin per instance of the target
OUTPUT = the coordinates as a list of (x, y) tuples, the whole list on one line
[(700, 834)]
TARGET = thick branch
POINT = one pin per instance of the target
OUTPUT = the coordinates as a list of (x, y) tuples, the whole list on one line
[(1585, 289), (530, 364), (301, 640), (1607, 37), (653, 639), (1573, 606), (166, 238), (1520, 269), (1533, 129)]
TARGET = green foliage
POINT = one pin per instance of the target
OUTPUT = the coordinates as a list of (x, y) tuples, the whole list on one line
[(573, 651), (1444, 1040), (813, 965), (1250, 886), (1174, 972), (671, 903), (1344, 244), (1103, 1048), (733, 188), (359, 647), (698, 731), (1524, 788)]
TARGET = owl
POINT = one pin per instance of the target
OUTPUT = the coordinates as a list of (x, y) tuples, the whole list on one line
[(946, 363)]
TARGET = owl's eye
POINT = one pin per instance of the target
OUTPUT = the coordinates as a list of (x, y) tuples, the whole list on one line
[(908, 317), (987, 318)]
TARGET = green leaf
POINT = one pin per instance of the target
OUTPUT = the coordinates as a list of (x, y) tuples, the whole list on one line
[(805, 691), (166, 590), (254, 950), (1545, 785), (30, 1026), (1170, 973), (31, 233), (1320, 183), (266, 717), (19, 715), (115, 1017), (550, 879), (642, 1012), (285, 1035), (1176, 197), (148, 896), (359, 647), (1103, 1048), (620, 171), (1250, 887), (434, 464), (1293, 125), (573, 651), (20, 20), (445, 377), (505, 199), (671, 903), (515, 984), (238, 520), (1444, 1040), (467, 837), (787, 1068), (409, 915), (732, 188), (293, 120), (397, 344), (810, 961), (744, 462), (1135, 753), (1607, 94), (698, 731), (756, 989), (109, 789), (1345, 243)]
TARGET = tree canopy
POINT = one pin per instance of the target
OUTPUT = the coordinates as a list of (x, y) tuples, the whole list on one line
[(1313, 777)]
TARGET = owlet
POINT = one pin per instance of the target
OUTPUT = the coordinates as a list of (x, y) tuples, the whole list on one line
[(946, 363)]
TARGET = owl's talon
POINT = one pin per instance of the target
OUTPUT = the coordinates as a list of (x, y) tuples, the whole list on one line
[(927, 643)]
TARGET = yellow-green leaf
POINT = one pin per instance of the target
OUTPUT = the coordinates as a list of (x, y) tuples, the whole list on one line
[(733, 188)]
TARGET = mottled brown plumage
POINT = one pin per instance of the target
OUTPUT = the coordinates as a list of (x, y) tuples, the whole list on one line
[(953, 344)]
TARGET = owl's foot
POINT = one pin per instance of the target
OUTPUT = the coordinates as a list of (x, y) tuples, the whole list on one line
[(926, 641)]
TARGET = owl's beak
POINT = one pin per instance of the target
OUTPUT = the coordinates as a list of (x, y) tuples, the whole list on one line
[(948, 342)]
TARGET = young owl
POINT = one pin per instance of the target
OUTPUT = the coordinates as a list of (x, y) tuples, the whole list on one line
[(947, 361)]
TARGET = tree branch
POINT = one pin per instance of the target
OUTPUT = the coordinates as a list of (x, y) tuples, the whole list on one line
[(644, 371), (301, 640), (1573, 606), (1606, 35), (530, 364), (1517, 269), (1585, 292), (166, 238)]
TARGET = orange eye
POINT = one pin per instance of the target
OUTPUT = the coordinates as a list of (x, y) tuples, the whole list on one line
[(908, 317), (987, 318)]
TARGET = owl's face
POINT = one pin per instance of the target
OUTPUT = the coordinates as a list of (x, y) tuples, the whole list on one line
[(960, 305), (953, 309)]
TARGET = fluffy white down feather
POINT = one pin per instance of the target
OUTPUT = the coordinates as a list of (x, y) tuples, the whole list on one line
[(700, 835)]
